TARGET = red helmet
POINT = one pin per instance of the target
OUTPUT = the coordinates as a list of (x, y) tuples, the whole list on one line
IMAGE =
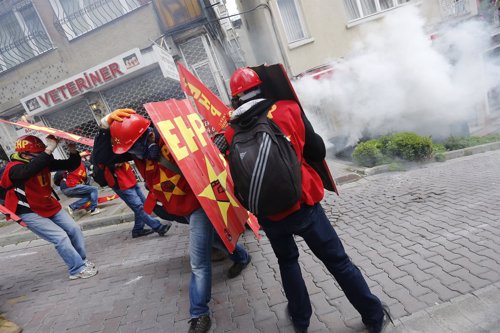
[(125, 133), (29, 144), (243, 79)]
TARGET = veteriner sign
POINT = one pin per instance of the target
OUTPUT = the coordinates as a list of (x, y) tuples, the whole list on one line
[(83, 82)]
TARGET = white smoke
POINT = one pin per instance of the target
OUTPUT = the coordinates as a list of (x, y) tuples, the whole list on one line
[(396, 78)]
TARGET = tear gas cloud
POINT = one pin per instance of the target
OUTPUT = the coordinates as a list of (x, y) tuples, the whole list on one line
[(397, 79)]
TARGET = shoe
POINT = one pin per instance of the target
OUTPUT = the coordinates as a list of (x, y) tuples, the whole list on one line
[(6, 326), (237, 267), (96, 211), (85, 274), (71, 212), (89, 264), (143, 232), (163, 229), (380, 327), (218, 255), (200, 325)]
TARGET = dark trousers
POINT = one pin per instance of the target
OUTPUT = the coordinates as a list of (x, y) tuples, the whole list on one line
[(311, 223)]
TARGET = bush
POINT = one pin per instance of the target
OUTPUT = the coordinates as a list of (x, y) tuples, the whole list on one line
[(455, 143), (368, 153), (409, 146)]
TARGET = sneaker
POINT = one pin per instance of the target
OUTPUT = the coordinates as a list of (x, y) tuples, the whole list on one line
[(163, 229), (71, 212), (89, 263), (380, 327), (96, 211), (200, 325), (143, 232), (85, 274), (237, 267)]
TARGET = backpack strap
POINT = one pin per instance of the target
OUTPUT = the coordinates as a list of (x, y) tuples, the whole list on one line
[(169, 165)]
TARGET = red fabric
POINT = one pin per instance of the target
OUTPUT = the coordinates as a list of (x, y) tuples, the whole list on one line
[(287, 115), (124, 174), (169, 187), (77, 176), (38, 191)]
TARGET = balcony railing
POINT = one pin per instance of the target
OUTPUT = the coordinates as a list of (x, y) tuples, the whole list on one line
[(75, 20)]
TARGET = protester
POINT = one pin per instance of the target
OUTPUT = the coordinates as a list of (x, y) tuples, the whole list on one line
[(121, 178), (304, 217), (76, 184), (29, 194), (131, 134)]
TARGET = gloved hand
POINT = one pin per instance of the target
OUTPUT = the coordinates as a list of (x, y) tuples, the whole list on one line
[(51, 145), (117, 115), (221, 143)]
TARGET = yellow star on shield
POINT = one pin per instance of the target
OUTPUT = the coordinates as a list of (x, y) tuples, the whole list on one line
[(168, 185), (216, 190)]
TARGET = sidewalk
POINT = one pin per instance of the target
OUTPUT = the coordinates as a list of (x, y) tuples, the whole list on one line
[(476, 310)]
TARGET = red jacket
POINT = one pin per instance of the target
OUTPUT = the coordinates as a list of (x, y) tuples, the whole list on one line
[(123, 176), (167, 186), (77, 176), (287, 115)]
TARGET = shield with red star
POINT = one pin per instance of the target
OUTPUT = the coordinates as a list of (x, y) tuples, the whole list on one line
[(201, 163)]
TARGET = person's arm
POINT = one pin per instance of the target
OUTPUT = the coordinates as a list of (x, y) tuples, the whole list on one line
[(21, 172), (314, 147), (70, 164)]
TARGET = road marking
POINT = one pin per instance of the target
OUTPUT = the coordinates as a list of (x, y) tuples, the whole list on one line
[(133, 280)]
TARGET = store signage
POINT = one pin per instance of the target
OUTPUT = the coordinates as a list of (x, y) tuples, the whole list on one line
[(166, 62), (79, 84)]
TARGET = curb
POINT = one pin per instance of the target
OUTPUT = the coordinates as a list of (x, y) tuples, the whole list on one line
[(25, 235)]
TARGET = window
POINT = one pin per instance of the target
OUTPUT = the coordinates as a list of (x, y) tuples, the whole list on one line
[(22, 36), (357, 9), (77, 17), (292, 20)]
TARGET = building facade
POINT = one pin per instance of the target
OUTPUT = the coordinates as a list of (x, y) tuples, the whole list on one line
[(66, 63)]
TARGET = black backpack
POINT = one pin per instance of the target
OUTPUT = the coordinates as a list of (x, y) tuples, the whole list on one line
[(264, 167), (59, 176)]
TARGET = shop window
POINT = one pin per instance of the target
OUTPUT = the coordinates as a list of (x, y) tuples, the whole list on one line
[(22, 36), (357, 9), (77, 17), (292, 19)]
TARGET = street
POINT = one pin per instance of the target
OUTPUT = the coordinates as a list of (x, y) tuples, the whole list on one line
[(421, 237)]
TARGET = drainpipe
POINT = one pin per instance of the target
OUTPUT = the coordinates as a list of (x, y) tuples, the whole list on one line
[(278, 38)]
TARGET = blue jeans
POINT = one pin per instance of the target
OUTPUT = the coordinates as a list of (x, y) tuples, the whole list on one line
[(62, 231), (85, 192), (311, 223), (134, 198), (201, 237)]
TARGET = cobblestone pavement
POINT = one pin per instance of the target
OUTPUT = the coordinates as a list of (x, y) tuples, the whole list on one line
[(421, 237)]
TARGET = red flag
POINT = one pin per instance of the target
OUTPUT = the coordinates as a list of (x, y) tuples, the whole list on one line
[(100, 200), (10, 215), (205, 169), (53, 131), (208, 104)]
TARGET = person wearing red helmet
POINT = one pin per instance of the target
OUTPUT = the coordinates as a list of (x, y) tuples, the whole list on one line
[(305, 217), (76, 184), (131, 134), (29, 194)]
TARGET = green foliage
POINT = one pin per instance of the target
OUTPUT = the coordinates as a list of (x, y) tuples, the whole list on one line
[(368, 153), (439, 157), (409, 146), (455, 143)]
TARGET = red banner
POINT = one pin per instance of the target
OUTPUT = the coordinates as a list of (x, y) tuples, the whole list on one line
[(208, 104), (53, 131), (10, 215), (100, 200), (205, 169)]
